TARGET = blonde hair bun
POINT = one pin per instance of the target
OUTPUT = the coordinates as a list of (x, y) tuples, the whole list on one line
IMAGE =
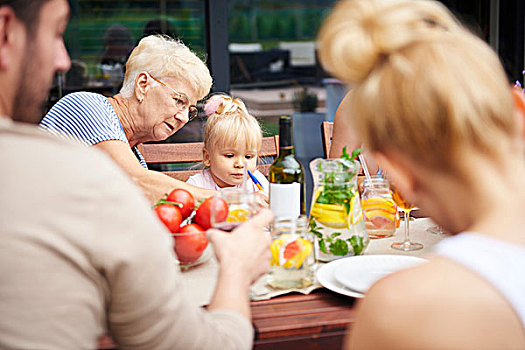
[(359, 35), (423, 85), (229, 122), (224, 104)]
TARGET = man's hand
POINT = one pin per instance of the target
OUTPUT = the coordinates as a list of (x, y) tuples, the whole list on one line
[(246, 250)]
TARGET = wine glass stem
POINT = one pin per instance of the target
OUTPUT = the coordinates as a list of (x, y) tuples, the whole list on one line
[(407, 221)]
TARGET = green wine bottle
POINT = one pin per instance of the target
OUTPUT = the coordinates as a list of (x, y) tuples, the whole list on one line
[(286, 176)]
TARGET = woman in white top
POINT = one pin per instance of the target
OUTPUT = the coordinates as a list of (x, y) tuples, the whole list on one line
[(232, 142), (432, 104)]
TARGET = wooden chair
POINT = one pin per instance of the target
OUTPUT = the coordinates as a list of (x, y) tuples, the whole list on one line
[(326, 136), (191, 153)]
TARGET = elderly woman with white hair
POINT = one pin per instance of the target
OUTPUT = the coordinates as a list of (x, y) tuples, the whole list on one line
[(163, 82)]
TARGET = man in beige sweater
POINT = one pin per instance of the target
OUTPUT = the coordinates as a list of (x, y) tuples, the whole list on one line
[(81, 254)]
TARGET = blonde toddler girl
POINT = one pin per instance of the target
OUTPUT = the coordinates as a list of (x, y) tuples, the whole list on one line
[(232, 141)]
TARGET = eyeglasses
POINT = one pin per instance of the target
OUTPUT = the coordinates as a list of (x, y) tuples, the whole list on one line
[(181, 100)]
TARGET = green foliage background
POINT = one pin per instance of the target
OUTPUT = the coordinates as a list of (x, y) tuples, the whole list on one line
[(266, 22)]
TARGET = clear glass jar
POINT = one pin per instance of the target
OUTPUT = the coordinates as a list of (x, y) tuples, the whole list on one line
[(292, 264), (336, 218), (379, 209)]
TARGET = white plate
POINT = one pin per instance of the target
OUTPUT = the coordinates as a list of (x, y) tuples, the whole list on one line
[(360, 272), (325, 276)]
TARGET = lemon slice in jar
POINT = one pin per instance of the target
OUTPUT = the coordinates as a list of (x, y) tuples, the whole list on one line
[(275, 248), (331, 215), (302, 250), (238, 215), (355, 215), (290, 253), (379, 203), (379, 211)]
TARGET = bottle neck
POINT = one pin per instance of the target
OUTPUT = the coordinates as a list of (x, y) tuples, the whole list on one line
[(286, 151), (285, 138)]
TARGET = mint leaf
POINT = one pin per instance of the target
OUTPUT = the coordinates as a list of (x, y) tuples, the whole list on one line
[(339, 247), (345, 154), (355, 153), (322, 246), (335, 234), (357, 244), (347, 208)]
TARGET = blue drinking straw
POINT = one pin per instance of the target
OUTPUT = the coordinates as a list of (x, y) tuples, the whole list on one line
[(255, 181)]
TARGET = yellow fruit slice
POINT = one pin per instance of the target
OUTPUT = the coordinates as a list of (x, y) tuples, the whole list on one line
[(356, 214), (275, 247), (379, 203), (379, 210), (331, 215), (278, 248), (306, 250), (238, 215), (335, 215), (371, 213)]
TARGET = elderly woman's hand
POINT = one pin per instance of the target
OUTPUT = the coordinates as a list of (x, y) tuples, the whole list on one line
[(246, 250), (202, 194)]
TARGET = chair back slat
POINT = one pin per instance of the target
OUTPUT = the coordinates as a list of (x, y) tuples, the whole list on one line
[(326, 136), (172, 152), (191, 152), (270, 146)]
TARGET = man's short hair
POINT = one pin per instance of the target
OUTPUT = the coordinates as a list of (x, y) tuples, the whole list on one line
[(26, 10)]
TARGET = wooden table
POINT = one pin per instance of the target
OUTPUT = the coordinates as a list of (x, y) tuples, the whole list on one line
[(318, 320), (296, 321), (315, 321)]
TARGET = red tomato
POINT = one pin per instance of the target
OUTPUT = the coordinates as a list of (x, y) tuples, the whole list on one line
[(170, 216), (203, 214), (183, 197), (291, 250), (190, 242)]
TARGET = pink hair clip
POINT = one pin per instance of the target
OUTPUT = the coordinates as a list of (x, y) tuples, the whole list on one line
[(212, 104)]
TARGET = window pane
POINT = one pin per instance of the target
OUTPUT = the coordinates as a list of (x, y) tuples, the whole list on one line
[(274, 67), (102, 33), (272, 56)]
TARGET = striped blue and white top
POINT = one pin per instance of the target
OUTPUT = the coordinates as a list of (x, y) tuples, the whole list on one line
[(86, 117)]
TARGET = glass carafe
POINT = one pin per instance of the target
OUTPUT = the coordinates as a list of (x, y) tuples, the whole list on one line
[(336, 218)]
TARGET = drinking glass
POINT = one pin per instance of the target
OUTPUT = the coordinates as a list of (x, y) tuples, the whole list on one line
[(292, 263), (241, 205), (406, 245), (379, 209)]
